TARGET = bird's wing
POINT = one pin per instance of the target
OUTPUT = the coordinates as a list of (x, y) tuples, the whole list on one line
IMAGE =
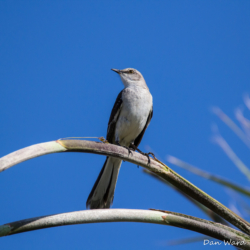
[(113, 118), (139, 137)]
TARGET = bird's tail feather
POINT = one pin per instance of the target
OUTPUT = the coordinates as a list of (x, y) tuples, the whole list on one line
[(102, 193)]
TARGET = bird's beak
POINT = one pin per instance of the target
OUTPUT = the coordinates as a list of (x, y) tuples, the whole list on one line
[(117, 70)]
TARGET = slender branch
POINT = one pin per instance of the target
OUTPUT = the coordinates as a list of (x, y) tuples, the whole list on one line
[(209, 228), (30, 152), (230, 123), (155, 166), (231, 155), (208, 176), (206, 210)]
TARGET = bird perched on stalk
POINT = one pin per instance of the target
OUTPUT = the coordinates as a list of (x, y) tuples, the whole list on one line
[(129, 119)]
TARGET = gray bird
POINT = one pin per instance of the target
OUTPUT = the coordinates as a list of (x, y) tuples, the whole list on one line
[(129, 119)]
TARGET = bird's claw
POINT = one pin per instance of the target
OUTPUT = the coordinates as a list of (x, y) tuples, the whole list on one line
[(150, 153), (129, 149), (132, 146), (147, 154)]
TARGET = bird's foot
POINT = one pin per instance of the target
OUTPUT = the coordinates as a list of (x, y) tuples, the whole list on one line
[(146, 154), (129, 149)]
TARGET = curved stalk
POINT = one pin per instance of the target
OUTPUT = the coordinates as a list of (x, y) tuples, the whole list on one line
[(209, 228), (154, 166)]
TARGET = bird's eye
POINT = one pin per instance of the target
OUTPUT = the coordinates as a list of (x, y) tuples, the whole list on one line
[(131, 71)]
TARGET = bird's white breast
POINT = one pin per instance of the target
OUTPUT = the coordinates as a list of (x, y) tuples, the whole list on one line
[(137, 103)]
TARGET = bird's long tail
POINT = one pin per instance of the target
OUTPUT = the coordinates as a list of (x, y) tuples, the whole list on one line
[(102, 193)]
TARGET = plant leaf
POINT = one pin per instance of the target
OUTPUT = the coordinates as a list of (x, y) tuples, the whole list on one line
[(208, 176)]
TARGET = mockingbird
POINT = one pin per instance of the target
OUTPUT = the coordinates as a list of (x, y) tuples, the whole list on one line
[(129, 119)]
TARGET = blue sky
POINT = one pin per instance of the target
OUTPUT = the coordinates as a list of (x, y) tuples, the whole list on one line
[(55, 61)]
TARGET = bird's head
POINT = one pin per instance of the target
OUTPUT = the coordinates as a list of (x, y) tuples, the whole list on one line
[(131, 77)]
